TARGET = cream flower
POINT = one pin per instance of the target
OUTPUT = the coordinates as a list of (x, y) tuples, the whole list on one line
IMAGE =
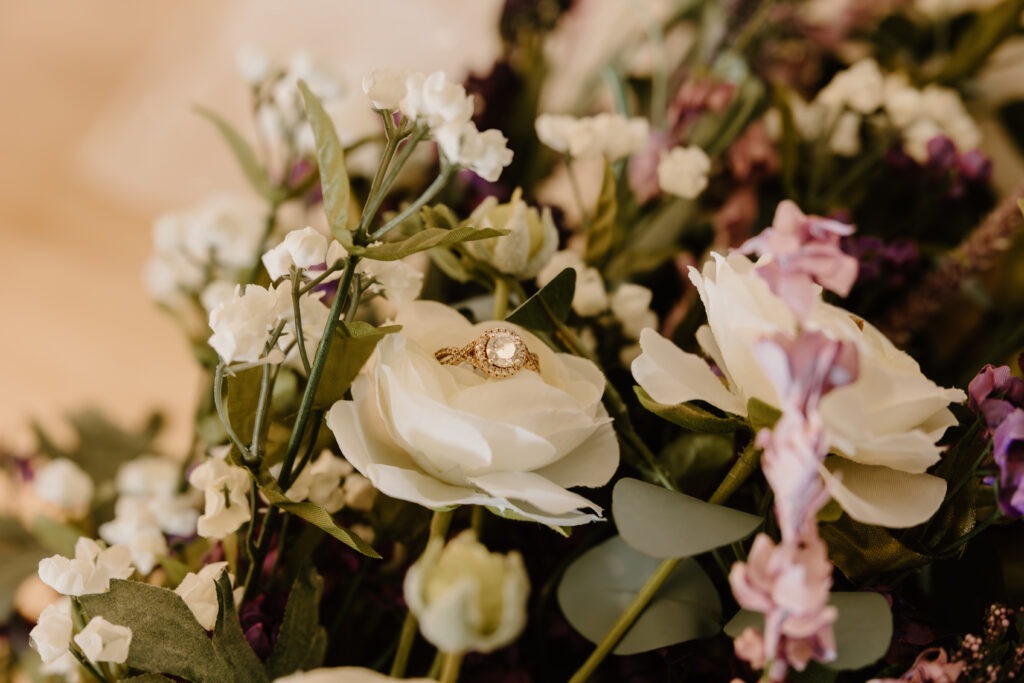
[(300, 248), (466, 598), (102, 641), (344, 674), (612, 135), (320, 482), (66, 485), (136, 527), (385, 87), (241, 326), (683, 171), (226, 488), (528, 246), (90, 571), (199, 591), (442, 435), (51, 635), (590, 297), (485, 153), (631, 304), (882, 428)]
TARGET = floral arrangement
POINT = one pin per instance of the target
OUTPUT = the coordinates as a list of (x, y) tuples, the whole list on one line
[(680, 346)]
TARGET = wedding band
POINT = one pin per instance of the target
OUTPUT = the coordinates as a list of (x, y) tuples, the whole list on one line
[(499, 353)]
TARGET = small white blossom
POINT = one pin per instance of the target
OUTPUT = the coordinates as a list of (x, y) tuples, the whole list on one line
[(199, 591), (136, 527), (301, 248), (253, 63), (320, 482), (385, 87), (344, 674), (683, 171), (612, 135), (485, 153), (845, 140), (148, 475), (466, 598), (359, 493), (590, 297), (631, 304), (242, 325), (51, 635), (436, 100), (859, 88), (102, 641), (226, 489), (531, 241), (90, 571), (400, 281), (66, 485)]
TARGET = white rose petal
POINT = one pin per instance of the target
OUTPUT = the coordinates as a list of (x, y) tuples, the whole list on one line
[(66, 485), (102, 641)]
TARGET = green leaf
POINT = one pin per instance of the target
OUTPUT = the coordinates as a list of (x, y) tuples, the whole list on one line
[(863, 628), (664, 524), (244, 155), (860, 550), (330, 157), (980, 40), (427, 239), (439, 216), (242, 396), (601, 231), (315, 515), (300, 636), (145, 678), (551, 304), (55, 536), (166, 638), (761, 415), (689, 415), (653, 241), (601, 583), (176, 570), (230, 642), (353, 345)]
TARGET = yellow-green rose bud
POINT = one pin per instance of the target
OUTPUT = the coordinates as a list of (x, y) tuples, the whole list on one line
[(529, 244)]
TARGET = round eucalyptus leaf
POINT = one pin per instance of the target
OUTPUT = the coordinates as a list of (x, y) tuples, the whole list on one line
[(863, 629), (598, 587), (662, 523)]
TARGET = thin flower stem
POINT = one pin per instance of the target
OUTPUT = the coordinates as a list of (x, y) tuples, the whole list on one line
[(428, 194), (378, 193), (297, 314), (740, 471), (500, 298), (439, 524), (286, 482), (222, 412), (309, 286), (577, 194), (451, 667), (267, 379), (628, 618), (87, 665)]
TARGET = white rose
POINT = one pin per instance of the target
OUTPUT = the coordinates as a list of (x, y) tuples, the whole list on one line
[(344, 674), (51, 635), (466, 598), (531, 241), (882, 428), (683, 171), (66, 485), (631, 304), (385, 87), (90, 571), (442, 435), (102, 641), (226, 489), (590, 297)]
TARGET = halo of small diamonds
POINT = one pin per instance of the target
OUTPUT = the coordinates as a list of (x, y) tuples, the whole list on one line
[(499, 352)]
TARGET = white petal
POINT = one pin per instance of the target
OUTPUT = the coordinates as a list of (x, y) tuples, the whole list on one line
[(591, 464), (878, 495), (534, 489)]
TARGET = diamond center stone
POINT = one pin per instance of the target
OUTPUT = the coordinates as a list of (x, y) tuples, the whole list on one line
[(502, 349)]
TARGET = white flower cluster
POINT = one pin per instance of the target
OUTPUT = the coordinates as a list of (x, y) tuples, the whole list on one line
[(332, 483), (612, 135), (148, 507), (683, 171), (90, 571), (226, 491), (864, 90), (214, 242), (63, 483), (447, 109)]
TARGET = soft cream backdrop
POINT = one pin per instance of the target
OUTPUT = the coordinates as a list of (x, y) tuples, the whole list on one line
[(96, 138)]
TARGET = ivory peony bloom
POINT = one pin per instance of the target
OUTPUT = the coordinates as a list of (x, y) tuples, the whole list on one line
[(882, 428), (466, 598), (442, 435)]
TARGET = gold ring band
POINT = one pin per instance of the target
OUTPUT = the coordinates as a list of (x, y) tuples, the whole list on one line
[(500, 353)]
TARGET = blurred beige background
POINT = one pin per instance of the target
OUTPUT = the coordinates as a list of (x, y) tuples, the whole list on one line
[(97, 138)]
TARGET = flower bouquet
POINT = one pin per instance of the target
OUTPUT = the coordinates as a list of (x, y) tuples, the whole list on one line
[(676, 347)]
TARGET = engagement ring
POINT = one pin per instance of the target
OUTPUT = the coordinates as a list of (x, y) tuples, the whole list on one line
[(499, 353)]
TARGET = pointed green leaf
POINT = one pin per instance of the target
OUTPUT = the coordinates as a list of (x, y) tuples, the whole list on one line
[(244, 155), (228, 639), (552, 303), (761, 415), (989, 30), (241, 397), (601, 231), (330, 157), (689, 415), (353, 345), (315, 515), (662, 523), (300, 633), (863, 628), (427, 239), (601, 583), (166, 638)]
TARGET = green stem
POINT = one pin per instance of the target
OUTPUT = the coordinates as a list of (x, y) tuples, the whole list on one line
[(428, 194), (87, 665), (578, 195), (451, 667), (378, 193), (740, 471), (308, 287), (625, 621), (222, 412), (500, 298), (297, 314)]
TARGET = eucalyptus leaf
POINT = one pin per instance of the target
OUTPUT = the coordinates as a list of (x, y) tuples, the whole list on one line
[(689, 415), (664, 524), (601, 231), (353, 345), (244, 155), (166, 638), (427, 239), (330, 157), (315, 515), (863, 629), (300, 633), (598, 587), (551, 304), (230, 642)]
